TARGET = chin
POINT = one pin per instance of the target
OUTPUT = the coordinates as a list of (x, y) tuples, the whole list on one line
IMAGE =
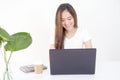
[(68, 29)]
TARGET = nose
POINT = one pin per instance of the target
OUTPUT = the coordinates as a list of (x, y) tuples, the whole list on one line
[(66, 22)]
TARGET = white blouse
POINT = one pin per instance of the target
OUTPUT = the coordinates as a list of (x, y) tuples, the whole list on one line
[(77, 40)]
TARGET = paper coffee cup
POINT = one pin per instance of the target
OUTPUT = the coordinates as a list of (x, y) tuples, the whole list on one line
[(38, 68)]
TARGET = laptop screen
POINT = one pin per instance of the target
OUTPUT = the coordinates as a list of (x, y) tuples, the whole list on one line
[(72, 61)]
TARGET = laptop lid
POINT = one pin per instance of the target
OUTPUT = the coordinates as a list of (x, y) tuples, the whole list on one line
[(72, 61)]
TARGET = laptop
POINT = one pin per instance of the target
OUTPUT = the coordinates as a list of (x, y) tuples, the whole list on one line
[(72, 61)]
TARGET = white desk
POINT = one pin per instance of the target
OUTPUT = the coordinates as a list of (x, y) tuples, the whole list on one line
[(104, 71)]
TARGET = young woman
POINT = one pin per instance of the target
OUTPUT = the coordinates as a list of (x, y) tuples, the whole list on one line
[(67, 33)]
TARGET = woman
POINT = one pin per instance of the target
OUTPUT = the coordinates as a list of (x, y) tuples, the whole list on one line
[(67, 33)]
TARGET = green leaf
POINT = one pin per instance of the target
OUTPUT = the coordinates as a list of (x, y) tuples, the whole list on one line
[(18, 41), (0, 41), (4, 34)]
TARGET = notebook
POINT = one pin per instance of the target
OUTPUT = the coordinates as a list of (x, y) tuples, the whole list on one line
[(72, 61)]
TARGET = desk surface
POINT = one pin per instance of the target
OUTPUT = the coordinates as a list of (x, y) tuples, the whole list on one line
[(104, 71)]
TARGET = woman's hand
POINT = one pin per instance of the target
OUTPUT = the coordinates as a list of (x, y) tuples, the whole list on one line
[(88, 44)]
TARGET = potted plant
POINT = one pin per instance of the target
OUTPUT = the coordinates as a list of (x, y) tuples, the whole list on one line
[(11, 43)]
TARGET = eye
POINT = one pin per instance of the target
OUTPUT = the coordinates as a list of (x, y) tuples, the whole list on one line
[(69, 18), (62, 20)]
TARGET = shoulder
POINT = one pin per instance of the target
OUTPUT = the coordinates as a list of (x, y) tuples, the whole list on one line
[(82, 30), (84, 33)]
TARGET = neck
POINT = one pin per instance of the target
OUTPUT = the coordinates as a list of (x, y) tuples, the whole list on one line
[(70, 33)]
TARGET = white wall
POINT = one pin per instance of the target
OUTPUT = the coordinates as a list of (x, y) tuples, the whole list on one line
[(101, 17), (108, 26)]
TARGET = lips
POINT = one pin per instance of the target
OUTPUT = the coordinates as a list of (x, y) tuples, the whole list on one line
[(68, 26)]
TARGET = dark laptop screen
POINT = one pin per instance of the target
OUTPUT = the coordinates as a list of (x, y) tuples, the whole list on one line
[(72, 61)]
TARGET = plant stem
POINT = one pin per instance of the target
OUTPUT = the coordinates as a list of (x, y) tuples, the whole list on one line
[(6, 65), (6, 74), (9, 57)]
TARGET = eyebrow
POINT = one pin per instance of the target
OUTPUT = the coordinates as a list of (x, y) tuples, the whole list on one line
[(67, 17)]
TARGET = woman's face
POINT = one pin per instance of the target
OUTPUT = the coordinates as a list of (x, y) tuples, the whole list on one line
[(67, 20)]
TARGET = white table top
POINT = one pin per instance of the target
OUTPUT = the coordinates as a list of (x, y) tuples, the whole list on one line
[(104, 71)]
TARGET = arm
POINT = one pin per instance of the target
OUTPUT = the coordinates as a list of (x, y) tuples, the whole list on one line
[(88, 44), (52, 46)]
